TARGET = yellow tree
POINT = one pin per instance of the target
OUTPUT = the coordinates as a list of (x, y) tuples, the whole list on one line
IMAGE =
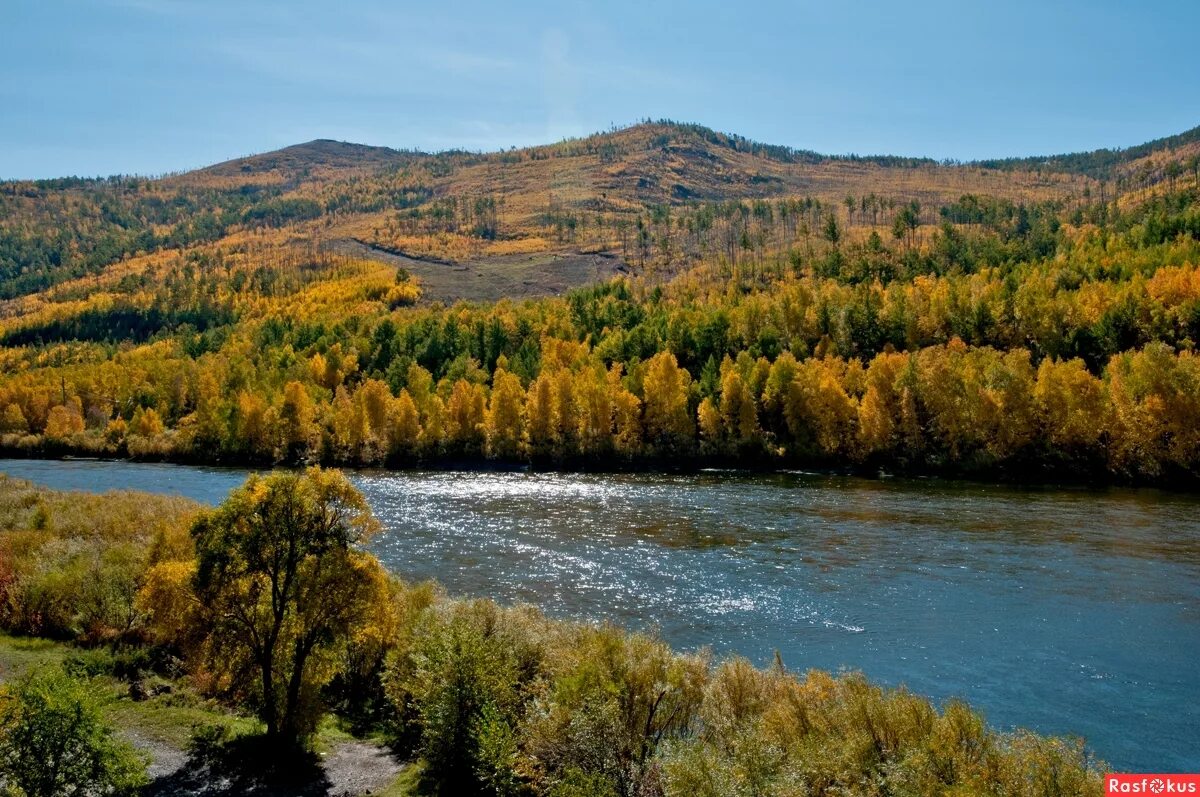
[(774, 393), (879, 410), (249, 432), (668, 423), (347, 426), (739, 411), (296, 418), (282, 585), (504, 422), (420, 386), (627, 415), (147, 422), (595, 412), (1155, 396), (465, 416), (406, 425), (167, 601), (711, 428), (208, 428), (565, 413), (821, 416), (64, 421), (539, 416), (949, 388), (1011, 389), (1072, 403), (331, 369), (318, 368), (13, 419), (374, 400), (433, 425)]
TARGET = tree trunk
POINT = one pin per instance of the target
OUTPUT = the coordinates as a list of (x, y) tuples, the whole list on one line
[(269, 709), (290, 730)]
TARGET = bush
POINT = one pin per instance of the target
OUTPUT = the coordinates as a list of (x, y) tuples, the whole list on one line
[(73, 563), (53, 741), (207, 743), (505, 701), (613, 699), (467, 679), (771, 733)]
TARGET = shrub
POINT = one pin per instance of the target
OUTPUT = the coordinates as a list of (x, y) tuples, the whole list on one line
[(467, 678), (53, 741), (614, 698), (71, 564), (771, 733)]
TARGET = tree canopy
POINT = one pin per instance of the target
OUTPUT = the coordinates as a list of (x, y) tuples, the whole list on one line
[(281, 587)]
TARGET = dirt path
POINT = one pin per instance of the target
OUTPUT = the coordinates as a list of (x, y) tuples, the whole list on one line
[(490, 278), (165, 760), (351, 769), (360, 768)]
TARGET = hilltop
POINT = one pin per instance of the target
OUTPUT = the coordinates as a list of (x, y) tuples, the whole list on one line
[(303, 159), (649, 162)]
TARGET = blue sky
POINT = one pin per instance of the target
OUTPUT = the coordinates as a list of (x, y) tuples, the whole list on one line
[(149, 86)]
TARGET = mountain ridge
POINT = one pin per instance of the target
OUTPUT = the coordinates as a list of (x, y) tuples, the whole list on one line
[(1096, 163)]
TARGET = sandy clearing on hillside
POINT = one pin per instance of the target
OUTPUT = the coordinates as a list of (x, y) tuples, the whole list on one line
[(490, 278)]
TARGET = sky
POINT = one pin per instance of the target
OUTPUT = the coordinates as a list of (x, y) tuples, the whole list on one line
[(98, 87)]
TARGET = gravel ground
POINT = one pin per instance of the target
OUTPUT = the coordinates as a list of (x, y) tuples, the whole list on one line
[(350, 769)]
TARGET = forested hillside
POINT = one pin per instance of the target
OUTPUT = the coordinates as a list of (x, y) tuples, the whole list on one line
[(659, 295)]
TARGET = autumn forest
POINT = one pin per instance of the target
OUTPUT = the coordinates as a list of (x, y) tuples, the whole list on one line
[(742, 304)]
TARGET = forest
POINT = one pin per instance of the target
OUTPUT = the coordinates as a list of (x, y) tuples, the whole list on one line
[(265, 623), (1041, 331)]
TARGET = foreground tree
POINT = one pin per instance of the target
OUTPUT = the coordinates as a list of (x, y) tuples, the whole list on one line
[(53, 741), (283, 585)]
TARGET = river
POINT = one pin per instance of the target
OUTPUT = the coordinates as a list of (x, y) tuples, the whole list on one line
[(1068, 611)]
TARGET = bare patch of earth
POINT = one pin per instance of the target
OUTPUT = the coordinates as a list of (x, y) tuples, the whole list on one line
[(488, 279)]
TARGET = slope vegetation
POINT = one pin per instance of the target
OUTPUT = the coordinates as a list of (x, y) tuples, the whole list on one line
[(657, 295)]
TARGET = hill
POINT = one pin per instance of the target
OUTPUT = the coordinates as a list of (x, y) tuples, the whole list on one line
[(301, 160), (652, 295), (56, 230), (1105, 164)]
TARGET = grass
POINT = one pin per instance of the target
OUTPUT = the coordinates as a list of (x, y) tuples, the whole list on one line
[(168, 718), (330, 733), (19, 655), (406, 784)]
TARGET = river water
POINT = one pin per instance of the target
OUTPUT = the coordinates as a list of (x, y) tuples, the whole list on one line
[(1068, 611)]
